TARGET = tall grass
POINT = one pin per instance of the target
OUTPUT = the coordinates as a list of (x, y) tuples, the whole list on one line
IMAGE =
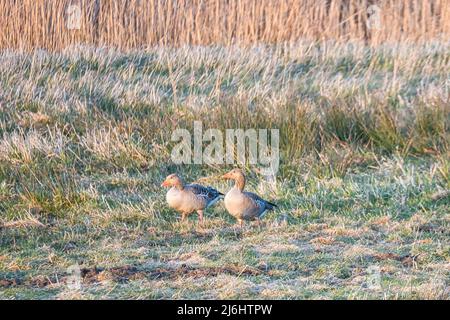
[(29, 24), (100, 109)]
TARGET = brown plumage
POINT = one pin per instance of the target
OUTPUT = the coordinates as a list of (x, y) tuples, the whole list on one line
[(189, 198), (241, 204)]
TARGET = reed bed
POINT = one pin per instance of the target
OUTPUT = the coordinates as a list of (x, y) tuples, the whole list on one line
[(31, 24)]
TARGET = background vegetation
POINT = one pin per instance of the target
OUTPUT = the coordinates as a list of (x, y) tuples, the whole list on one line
[(363, 186), (30, 24)]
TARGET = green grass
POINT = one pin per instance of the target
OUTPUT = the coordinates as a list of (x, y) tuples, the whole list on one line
[(363, 180)]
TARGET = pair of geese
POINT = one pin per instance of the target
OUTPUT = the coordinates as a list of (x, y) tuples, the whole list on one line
[(243, 205)]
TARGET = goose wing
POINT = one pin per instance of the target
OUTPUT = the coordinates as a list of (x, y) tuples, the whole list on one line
[(209, 194), (262, 204)]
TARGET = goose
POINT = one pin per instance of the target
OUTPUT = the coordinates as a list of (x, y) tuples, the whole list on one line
[(241, 204), (187, 198)]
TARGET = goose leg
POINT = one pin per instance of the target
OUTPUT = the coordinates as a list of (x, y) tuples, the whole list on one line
[(258, 223), (241, 223), (200, 216), (183, 216)]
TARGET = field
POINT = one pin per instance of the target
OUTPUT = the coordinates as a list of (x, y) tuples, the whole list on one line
[(363, 185)]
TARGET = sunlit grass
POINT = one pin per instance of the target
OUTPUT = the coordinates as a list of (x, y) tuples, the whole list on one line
[(363, 181)]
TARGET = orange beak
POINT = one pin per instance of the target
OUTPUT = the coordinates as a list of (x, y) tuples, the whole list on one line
[(165, 184), (226, 176)]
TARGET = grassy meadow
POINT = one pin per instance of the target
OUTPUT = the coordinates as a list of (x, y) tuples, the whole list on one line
[(363, 185)]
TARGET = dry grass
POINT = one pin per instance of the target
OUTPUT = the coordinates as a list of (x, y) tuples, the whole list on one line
[(363, 181), (31, 24), (85, 133)]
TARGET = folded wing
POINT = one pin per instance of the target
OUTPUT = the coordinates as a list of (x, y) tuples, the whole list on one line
[(208, 194), (263, 205)]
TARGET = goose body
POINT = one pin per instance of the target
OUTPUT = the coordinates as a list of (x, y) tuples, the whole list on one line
[(192, 197), (189, 198), (244, 205)]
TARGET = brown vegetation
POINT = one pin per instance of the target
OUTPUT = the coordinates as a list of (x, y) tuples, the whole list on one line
[(30, 24)]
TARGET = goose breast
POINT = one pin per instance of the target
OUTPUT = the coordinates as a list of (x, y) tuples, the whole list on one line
[(236, 203)]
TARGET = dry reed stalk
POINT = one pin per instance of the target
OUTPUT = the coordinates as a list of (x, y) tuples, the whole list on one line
[(30, 24)]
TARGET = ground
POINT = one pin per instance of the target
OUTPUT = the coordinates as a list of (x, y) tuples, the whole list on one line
[(362, 191)]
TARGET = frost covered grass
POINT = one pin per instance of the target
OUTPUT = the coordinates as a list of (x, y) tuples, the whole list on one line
[(363, 183)]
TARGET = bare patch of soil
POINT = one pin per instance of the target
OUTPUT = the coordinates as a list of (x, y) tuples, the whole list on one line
[(406, 260), (7, 283), (126, 273)]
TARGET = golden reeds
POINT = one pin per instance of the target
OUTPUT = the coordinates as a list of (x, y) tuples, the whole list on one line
[(30, 24)]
